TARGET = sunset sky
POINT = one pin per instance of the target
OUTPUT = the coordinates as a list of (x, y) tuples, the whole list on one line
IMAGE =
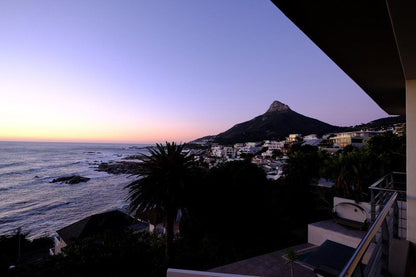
[(148, 71)]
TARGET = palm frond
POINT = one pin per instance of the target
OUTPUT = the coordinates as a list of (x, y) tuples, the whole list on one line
[(164, 172)]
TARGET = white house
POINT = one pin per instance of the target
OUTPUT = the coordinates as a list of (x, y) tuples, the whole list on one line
[(293, 138), (356, 139), (310, 137)]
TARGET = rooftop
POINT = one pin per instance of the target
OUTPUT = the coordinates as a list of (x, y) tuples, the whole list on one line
[(94, 224)]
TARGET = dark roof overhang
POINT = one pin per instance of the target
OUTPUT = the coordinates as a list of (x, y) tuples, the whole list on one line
[(363, 38)]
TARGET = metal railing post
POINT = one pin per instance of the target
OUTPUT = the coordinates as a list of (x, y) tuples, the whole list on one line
[(385, 246), (373, 207), (396, 220)]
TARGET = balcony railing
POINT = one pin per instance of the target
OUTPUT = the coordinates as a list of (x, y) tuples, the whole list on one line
[(388, 218), (382, 190)]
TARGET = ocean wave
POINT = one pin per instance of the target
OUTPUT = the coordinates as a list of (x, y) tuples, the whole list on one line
[(54, 165), (38, 169), (20, 172), (10, 219), (21, 204), (5, 165), (55, 206), (30, 210)]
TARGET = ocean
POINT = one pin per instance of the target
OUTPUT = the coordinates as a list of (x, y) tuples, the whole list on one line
[(28, 199)]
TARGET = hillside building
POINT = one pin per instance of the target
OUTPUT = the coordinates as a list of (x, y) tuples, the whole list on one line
[(294, 138), (356, 139)]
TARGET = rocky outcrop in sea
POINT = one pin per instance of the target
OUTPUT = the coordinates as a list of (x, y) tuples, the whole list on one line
[(74, 179), (119, 167)]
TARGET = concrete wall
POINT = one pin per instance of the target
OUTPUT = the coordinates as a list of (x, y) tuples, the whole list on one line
[(411, 158)]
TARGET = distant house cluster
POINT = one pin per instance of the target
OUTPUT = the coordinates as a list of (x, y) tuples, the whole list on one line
[(271, 155)]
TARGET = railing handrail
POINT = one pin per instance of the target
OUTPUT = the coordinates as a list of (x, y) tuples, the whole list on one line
[(390, 190), (365, 242), (376, 183), (398, 173)]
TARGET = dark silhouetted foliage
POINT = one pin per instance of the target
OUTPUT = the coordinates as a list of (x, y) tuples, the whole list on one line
[(107, 254), (165, 173), (17, 250), (237, 213)]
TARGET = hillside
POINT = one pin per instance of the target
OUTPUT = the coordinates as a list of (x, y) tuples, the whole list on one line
[(382, 122), (276, 123)]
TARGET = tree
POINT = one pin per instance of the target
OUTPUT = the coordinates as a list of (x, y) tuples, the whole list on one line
[(303, 165), (106, 254), (164, 175), (291, 256), (354, 170), (387, 153), (223, 223), (18, 251), (301, 169), (277, 153), (350, 168)]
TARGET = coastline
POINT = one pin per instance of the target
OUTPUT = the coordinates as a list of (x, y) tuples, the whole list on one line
[(29, 200)]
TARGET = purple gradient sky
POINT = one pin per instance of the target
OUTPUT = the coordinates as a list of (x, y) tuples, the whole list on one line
[(147, 71)]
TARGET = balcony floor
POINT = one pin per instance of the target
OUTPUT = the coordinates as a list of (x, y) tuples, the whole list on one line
[(319, 232), (268, 265)]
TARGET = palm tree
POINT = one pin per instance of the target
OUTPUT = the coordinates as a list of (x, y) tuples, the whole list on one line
[(349, 171), (164, 175), (291, 256)]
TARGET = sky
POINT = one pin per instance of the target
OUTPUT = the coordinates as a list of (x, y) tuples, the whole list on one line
[(146, 71)]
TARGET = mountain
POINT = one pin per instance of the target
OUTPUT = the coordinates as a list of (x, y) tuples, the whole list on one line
[(276, 123), (380, 123)]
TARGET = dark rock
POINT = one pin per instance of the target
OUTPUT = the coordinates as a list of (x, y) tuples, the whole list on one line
[(277, 106), (74, 179), (133, 157), (120, 167)]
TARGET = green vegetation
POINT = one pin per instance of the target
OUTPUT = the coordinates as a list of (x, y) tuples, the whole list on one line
[(291, 256), (165, 173), (247, 156), (354, 170), (237, 213), (17, 249), (108, 254), (308, 203), (226, 219)]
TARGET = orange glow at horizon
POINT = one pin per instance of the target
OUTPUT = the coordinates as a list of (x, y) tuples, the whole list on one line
[(110, 134), (106, 129), (52, 107)]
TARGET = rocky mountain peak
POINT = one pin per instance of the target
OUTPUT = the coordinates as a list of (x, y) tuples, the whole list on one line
[(277, 106)]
